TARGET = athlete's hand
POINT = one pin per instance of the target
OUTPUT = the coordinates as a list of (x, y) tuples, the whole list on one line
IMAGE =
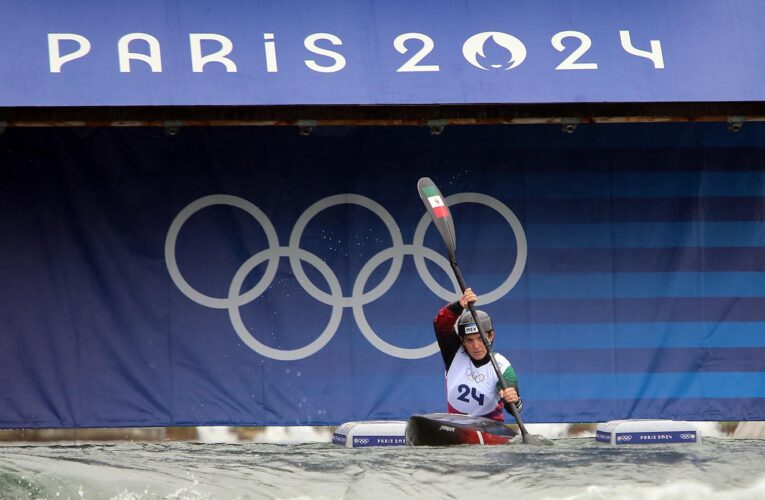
[(468, 296), (509, 395)]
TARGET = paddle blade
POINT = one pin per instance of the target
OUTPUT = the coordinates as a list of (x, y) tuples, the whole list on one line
[(533, 440), (439, 213), (526, 436)]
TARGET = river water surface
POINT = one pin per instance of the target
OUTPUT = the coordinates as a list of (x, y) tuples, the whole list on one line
[(569, 468)]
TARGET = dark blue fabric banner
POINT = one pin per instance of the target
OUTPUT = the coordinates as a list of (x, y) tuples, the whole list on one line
[(304, 52), (255, 276)]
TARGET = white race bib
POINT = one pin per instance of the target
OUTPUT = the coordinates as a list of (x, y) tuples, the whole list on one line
[(471, 390)]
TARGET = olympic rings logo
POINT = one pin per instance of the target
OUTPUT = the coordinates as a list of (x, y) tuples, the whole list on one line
[(335, 298), (475, 377)]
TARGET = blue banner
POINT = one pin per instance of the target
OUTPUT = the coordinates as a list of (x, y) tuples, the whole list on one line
[(255, 276), (226, 52)]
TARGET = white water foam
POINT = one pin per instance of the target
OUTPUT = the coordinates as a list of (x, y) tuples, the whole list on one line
[(306, 434), (219, 434), (680, 490), (554, 431), (294, 435), (571, 469)]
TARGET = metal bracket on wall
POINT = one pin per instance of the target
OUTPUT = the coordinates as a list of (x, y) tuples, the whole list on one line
[(735, 123), (172, 127), (569, 124), (437, 126), (305, 127)]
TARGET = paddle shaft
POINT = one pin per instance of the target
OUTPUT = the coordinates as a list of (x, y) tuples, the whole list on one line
[(510, 407)]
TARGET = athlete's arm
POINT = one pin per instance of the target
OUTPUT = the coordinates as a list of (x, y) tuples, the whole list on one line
[(448, 340), (511, 381)]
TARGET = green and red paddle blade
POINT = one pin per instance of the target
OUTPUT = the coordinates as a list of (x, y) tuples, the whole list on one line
[(436, 206)]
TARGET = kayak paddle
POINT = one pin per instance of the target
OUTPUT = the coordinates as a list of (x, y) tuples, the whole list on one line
[(439, 213)]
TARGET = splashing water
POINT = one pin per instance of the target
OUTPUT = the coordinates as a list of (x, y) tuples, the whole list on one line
[(571, 468)]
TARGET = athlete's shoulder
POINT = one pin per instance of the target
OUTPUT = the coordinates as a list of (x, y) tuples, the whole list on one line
[(461, 353), (446, 318), (501, 360)]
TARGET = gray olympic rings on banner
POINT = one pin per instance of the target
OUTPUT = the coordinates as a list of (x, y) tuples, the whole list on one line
[(520, 241), (172, 238), (335, 298)]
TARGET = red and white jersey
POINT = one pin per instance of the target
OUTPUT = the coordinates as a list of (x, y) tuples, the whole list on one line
[(473, 391)]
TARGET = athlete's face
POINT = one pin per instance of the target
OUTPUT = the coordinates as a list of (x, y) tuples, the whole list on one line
[(474, 345)]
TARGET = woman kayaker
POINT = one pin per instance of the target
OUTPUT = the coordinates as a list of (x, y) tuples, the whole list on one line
[(472, 385)]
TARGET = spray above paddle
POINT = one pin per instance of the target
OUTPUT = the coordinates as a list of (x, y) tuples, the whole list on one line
[(442, 219)]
